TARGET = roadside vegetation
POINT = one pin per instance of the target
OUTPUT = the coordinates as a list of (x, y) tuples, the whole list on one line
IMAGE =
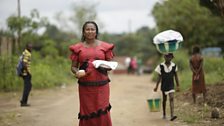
[(50, 57)]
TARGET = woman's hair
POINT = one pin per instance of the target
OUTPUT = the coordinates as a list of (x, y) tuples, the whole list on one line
[(83, 29), (196, 49)]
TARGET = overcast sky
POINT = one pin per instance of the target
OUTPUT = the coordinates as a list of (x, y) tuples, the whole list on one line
[(117, 15)]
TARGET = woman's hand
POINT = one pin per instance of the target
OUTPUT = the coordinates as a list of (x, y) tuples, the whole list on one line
[(80, 73)]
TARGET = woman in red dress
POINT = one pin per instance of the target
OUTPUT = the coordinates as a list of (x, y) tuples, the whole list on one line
[(198, 80), (93, 83)]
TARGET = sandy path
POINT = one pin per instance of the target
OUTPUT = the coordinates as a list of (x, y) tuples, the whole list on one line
[(128, 97), (59, 107)]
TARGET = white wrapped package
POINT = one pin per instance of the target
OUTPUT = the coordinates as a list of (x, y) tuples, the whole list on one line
[(110, 64), (166, 36)]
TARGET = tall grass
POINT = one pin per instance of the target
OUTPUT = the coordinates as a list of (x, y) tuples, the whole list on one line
[(46, 72), (8, 78), (214, 68)]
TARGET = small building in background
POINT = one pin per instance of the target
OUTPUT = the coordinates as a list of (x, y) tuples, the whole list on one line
[(212, 52), (122, 64)]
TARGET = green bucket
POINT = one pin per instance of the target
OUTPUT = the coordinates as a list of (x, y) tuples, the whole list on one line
[(154, 104), (168, 47)]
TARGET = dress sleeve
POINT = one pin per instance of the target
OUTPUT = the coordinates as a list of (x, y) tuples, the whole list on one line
[(75, 49), (109, 52), (158, 70), (176, 69)]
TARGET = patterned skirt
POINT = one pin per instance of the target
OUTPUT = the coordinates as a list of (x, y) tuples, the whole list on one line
[(94, 106)]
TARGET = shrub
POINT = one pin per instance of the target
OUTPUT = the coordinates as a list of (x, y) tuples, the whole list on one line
[(46, 72), (9, 80)]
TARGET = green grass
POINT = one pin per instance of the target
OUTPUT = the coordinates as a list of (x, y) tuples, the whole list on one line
[(190, 119), (46, 72), (185, 79), (7, 118)]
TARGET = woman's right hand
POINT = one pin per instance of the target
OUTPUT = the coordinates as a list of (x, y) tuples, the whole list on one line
[(80, 73)]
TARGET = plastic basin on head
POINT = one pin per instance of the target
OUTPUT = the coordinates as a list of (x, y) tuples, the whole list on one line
[(168, 47)]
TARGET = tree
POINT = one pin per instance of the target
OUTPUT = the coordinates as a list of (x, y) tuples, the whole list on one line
[(197, 24), (61, 38), (216, 6), (27, 26), (147, 48), (49, 49), (83, 12), (138, 43)]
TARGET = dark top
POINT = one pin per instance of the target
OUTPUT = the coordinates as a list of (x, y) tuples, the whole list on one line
[(167, 78)]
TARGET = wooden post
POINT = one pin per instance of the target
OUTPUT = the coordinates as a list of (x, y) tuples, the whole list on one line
[(19, 30)]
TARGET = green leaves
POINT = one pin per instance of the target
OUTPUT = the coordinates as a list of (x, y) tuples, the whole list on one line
[(197, 24)]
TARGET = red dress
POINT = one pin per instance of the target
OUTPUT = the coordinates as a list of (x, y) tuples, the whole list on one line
[(94, 88), (198, 85)]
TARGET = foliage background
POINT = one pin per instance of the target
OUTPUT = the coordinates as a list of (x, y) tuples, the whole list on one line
[(50, 60)]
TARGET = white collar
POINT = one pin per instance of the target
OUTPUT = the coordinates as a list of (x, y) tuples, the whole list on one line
[(171, 64)]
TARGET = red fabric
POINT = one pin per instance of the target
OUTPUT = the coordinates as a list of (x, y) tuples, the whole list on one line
[(80, 53), (75, 51), (198, 86), (134, 64), (93, 98), (79, 47)]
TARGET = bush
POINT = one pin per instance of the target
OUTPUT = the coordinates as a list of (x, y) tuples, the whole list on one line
[(49, 71), (181, 59), (213, 68), (9, 80), (46, 72)]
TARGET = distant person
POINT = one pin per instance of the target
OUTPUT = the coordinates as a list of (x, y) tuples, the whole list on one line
[(94, 88), (167, 73), (133, 65), (26, 75), (139, 68), (127, 64), (198, 81)]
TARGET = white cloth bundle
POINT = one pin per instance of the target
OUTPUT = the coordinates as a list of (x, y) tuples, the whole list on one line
[(111, 64), (168, 35)]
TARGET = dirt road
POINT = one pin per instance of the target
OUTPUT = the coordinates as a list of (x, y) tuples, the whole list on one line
[(59, 107)]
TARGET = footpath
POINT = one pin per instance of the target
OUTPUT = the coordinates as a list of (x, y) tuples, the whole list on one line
[(59, 106)]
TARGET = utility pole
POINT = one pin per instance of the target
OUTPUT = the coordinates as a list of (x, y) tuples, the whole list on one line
[(19, 12), (129, 26), (19, 30)]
